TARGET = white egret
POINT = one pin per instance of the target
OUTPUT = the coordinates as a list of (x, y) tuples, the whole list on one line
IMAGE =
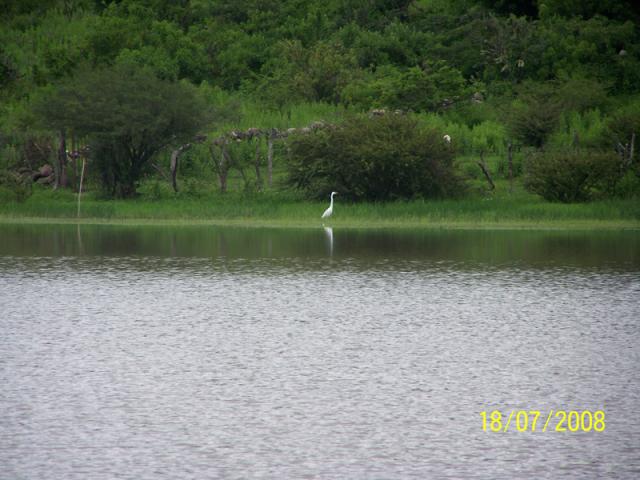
[(447, 138), (329, 211)]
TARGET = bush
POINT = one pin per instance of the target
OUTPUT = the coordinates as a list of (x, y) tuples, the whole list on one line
[(628, 186), (383, 158), (587, 128), (582, 94), (572, 176), (624, 122), (14, 187), (156, 189), (488, 137), (534, 115), (194, 188)]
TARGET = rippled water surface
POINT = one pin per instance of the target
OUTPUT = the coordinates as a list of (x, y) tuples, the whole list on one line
[(151, 352)]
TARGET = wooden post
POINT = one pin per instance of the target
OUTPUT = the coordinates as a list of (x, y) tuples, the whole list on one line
[(81, 180)]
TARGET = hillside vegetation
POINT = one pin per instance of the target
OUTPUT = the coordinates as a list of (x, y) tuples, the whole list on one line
[(182, 100)]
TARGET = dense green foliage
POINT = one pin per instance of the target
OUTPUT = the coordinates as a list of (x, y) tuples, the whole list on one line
[(574, 175), (380, 159), (546, 74)]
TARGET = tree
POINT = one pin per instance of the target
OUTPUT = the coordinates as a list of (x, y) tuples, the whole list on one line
[(535, 114), (127, 116)]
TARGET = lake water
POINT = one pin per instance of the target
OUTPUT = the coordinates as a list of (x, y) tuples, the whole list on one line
[(209, 352)]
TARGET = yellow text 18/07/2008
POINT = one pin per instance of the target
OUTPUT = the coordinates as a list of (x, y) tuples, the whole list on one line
[(535, 420)]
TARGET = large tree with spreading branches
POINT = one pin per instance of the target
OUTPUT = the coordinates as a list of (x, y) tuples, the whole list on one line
[(127, 115)]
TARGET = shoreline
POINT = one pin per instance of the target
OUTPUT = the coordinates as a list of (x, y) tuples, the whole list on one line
[(282, 210), (404, 224)]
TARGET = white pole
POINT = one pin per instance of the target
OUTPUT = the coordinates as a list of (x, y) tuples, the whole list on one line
[(80, 189)]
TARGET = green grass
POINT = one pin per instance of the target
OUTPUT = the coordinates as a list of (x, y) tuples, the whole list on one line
[(281, 208)]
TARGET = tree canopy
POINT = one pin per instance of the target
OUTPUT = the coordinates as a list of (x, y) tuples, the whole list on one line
[(128, 115)]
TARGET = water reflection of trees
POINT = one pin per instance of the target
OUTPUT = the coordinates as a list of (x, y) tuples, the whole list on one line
[(472, 247)]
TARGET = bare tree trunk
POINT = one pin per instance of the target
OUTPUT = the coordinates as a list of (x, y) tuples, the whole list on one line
[(510, 162), (483, 166), (175, 156), (174, 169), (223, 182), (632, 147), (61, 171), (270, 160)]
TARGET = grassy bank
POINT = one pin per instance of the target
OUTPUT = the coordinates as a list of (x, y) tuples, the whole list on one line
[(518, 210)]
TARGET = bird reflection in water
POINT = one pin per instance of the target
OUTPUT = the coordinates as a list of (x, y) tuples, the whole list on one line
[(329, 232)]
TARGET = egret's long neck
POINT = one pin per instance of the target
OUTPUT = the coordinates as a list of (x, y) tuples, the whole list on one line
[(331, 206)]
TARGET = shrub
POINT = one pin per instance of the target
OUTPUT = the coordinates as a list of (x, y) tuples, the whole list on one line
[(14, 187), (193, 187), (624, 123), (572, 175), (582, 94), (534, 115), (383, 158), (628, 186), (587, 128), (488, 136), (156, 190)]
